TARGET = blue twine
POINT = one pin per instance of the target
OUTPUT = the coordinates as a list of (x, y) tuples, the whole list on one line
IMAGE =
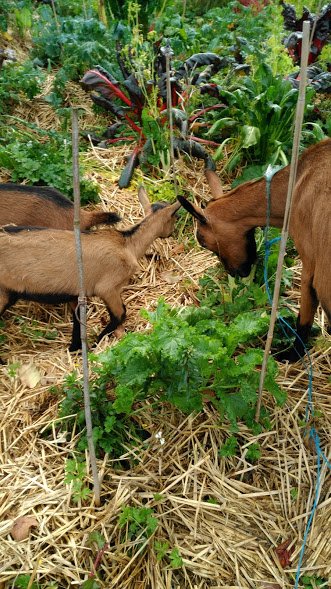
[(313, 434)]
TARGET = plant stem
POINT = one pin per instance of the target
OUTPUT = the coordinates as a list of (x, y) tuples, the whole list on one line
[(82, 306), (288, 206)]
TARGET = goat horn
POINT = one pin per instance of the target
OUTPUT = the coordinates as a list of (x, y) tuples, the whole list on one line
[(214, 184), (144, 200), (175, 206), (195, 211)]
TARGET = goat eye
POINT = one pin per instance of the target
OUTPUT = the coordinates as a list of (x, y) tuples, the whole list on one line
[(203, 205)]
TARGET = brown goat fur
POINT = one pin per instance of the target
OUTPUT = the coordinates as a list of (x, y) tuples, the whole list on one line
[(226, 227), (42, 206), (41, 265)]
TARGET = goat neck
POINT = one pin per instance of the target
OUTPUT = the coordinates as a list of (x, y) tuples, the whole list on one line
[(141, 236), (247, 203)]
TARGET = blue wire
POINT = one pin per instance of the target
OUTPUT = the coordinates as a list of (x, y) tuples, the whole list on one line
[(313, 434)]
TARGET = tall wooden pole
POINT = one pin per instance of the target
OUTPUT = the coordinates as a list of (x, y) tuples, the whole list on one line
[(292, 178), (81, 310), (170, 117)]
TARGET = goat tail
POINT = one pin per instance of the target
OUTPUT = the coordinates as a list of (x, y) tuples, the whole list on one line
[(102, 218)]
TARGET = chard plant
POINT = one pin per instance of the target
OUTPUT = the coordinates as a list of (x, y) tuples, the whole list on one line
[(257, 121), (139, 103)]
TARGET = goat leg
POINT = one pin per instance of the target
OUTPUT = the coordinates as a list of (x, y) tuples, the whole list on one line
[(112, 325), (6, 300), (117, 313), (76, 342), (308, 307)]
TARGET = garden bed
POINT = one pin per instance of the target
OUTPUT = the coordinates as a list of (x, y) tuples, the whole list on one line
[(226, 516)]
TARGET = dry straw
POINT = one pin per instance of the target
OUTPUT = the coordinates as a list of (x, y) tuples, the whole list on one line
[(226, 516)]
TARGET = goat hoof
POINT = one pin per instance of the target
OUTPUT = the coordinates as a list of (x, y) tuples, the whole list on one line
[(292, 355), (74, 348)]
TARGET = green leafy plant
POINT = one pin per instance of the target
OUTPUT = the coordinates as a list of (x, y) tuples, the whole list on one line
[(175, 558), (140, 522), (253, 452), (313, 582), (24, 582), (113, 426), (74, 43), (162, 551), (76, 475), (18, 81), (7, 9), (42, 158), (258, 120), (294, 492), (12, 369), (187, 355), (23, 20), (90, 584), (230, 447), (218, 29)]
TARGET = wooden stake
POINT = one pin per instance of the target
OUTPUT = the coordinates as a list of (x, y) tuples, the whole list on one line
[(82, 305), (169, 109), (293, 171)]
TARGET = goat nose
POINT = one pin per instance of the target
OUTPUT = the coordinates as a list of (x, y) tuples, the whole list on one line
[(244, 271)]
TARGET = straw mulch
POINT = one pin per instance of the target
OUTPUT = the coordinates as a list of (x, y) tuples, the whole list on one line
[(226, 516)]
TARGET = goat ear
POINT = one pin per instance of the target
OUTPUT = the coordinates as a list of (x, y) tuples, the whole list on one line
[(193, 210), (144, 200), (214, 183)]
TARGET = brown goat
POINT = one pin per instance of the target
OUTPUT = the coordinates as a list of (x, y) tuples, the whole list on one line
[(40, 264), (226, 227), (41, 206)]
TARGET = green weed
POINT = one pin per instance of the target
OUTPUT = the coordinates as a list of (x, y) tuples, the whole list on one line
[(313, 582), (42, 158), (139, 522), (162, 551), (76, 475), (19, 81), (24, 582)]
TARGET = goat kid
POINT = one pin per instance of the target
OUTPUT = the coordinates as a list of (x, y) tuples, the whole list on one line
[(40, 264), (41, 206), (226, 227)]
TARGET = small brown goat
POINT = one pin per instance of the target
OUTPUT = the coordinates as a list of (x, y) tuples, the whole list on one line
[(226, 227), (40, 264), (41, 206)]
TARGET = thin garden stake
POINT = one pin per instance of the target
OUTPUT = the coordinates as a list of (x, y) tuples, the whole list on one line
[(168, 53), (285, 230), (82, 306)]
